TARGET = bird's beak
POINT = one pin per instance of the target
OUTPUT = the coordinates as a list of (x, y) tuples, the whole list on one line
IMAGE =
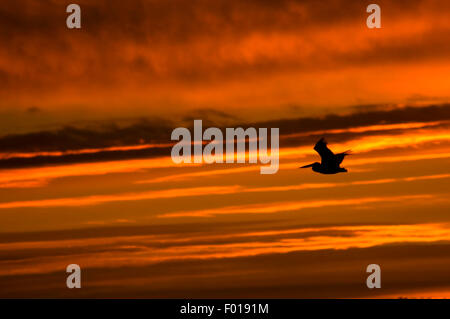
[(306, 166)]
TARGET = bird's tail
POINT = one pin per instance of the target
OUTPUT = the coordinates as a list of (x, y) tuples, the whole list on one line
[(348, 152), (340, 157)]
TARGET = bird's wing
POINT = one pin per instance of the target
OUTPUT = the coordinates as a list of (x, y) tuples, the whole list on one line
[(325, 153)]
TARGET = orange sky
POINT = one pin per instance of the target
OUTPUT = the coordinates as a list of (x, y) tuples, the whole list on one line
[(85, 169), (138, 59)]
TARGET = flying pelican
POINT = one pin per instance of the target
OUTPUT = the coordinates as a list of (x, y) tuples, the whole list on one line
[(330, 162)]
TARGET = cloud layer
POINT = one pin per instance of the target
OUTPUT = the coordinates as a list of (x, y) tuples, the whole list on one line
[(144, 58)]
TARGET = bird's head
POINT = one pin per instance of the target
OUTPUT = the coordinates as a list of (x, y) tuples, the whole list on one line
[(315, 166)]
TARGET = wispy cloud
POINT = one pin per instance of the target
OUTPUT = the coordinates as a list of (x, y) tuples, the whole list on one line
[(100, 199), (279, 207), (220, 190), (145, 250)]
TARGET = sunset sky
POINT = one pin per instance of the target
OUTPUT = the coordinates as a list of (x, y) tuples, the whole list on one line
[(86, 175)]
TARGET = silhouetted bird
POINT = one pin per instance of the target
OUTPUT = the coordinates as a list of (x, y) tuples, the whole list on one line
[(330, 162)]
